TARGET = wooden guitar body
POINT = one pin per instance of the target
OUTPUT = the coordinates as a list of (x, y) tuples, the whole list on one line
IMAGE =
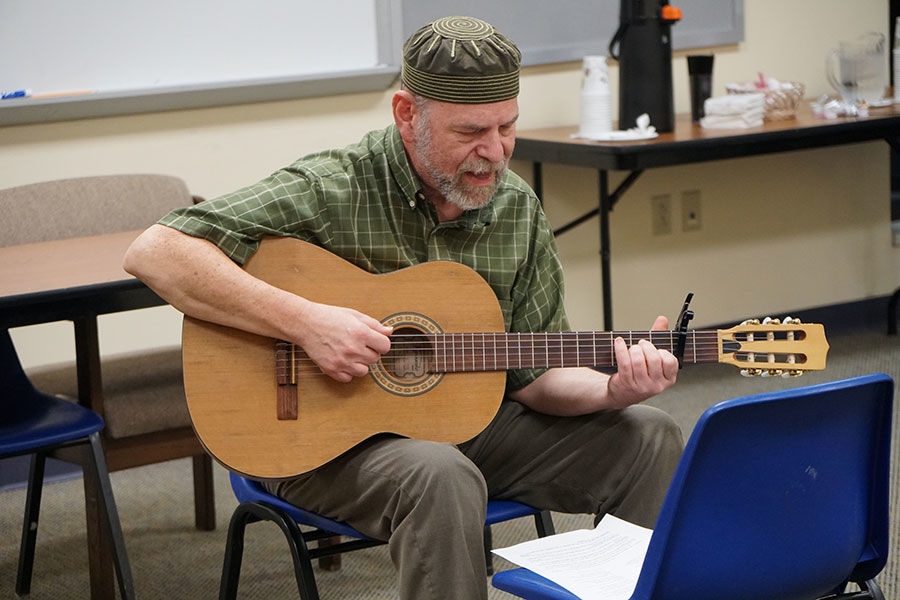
[(231, 385)]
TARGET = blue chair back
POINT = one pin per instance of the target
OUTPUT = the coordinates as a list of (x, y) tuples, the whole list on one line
[(780, 495)]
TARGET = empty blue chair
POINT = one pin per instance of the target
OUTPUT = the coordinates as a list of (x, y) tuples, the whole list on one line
[(257, 504), (777, 496), (35, 423)]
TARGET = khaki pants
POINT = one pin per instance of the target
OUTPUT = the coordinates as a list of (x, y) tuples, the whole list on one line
[(428, 499)]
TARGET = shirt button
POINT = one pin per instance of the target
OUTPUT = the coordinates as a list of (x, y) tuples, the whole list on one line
[(412, 203)]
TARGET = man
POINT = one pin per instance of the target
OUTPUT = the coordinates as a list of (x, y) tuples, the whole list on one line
[(432, 186)]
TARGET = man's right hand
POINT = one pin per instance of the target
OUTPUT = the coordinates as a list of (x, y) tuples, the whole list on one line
[(343, 342)]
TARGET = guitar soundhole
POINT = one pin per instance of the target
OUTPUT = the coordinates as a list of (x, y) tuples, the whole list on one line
[(410, 356), (407, 370)]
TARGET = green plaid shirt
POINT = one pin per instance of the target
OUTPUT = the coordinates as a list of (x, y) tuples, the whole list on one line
[(364, 203)]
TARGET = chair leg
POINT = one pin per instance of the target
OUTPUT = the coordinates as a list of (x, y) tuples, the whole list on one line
[(488, 546), (250, 512), (96, 469), (543, 522), (30, 525), (872, 589), (892, 312), (234, 553), (204, 493)]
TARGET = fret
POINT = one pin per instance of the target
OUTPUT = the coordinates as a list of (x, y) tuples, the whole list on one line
[(494, 348), (557, 358), (694, 342), (453, 350), (526, 349), (612, 350), (506, 348), (476, 353)]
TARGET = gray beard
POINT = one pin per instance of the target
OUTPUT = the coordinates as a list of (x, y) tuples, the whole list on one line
[(464, 196)]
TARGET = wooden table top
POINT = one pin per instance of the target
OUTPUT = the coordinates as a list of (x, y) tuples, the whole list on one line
[(689, 142), (62, 264)]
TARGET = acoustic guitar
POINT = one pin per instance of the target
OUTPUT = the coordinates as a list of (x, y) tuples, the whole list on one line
[(262, 408)]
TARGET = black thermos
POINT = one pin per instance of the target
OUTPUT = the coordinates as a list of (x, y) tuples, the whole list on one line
[(643, 46)]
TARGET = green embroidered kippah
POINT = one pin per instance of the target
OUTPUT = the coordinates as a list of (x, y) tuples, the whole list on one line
[(463, 60)]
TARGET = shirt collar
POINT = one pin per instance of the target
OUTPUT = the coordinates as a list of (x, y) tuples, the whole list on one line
[(411, 186)]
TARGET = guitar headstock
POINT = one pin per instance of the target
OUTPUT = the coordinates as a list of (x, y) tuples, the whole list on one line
[(773, 347)]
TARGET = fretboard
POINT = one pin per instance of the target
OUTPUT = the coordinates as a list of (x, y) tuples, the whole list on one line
[(466, 352)]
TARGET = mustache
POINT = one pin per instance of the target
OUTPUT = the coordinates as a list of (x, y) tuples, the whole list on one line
[(480, 165)]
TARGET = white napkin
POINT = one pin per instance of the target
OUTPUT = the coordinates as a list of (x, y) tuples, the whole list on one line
[(643, 131), (733, 111)]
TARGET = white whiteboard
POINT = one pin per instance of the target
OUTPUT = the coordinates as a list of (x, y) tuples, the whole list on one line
[(116, 45), (134, 55), (141, 56)]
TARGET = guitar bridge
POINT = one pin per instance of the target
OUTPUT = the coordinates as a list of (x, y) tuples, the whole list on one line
[(286, 406)]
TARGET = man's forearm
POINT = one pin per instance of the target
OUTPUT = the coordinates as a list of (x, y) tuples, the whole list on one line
[(566, 392), (196, 278)]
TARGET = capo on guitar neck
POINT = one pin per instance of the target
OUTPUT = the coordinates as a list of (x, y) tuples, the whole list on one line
[(684, 318)]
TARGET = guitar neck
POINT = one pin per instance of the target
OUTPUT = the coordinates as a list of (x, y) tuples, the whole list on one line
[(469, 352)]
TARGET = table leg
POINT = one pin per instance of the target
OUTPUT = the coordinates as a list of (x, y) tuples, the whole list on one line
[(100, 561), (90, 390), (604, 209), (538, 180), (87, 363)]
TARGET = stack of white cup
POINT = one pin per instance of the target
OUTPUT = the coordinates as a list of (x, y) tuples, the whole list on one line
[(596, 101)]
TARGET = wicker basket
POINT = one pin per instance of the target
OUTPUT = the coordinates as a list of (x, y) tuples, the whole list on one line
[(780, 104)]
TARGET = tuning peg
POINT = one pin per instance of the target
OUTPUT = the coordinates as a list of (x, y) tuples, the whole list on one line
[(751, 322), (773, 373), (771, 321), (751, 372), (792, 373), (791, 321)]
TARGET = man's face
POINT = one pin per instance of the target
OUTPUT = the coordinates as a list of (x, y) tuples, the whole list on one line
[(462, 150)]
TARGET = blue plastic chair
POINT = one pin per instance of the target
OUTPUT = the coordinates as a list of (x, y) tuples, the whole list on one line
[(35, 423), (780, 495), (256, 504)]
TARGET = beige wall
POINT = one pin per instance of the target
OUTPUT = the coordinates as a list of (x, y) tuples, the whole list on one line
[(780, 232)]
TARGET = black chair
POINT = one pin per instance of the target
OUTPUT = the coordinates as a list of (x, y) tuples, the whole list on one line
[(42, 425), (256, 504)]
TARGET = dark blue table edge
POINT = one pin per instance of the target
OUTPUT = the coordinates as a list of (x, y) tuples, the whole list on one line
[(61, 304)]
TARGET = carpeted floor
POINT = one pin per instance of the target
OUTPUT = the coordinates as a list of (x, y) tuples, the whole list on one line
[(171, 560)]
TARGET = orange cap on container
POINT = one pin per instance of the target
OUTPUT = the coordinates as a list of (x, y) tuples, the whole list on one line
[(671, 13)]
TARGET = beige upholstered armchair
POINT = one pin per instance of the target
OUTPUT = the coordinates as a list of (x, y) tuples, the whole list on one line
[(141, 395)]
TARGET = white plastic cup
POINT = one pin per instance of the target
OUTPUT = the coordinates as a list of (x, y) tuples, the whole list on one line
[(596, 100)]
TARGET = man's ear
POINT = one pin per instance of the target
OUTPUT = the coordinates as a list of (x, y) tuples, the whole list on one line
[(405, 113)]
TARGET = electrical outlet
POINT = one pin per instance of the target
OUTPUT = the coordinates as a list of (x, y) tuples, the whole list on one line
[(661, 208), (691, 212)]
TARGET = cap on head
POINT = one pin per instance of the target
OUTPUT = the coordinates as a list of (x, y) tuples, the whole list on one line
[(462, 60)]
